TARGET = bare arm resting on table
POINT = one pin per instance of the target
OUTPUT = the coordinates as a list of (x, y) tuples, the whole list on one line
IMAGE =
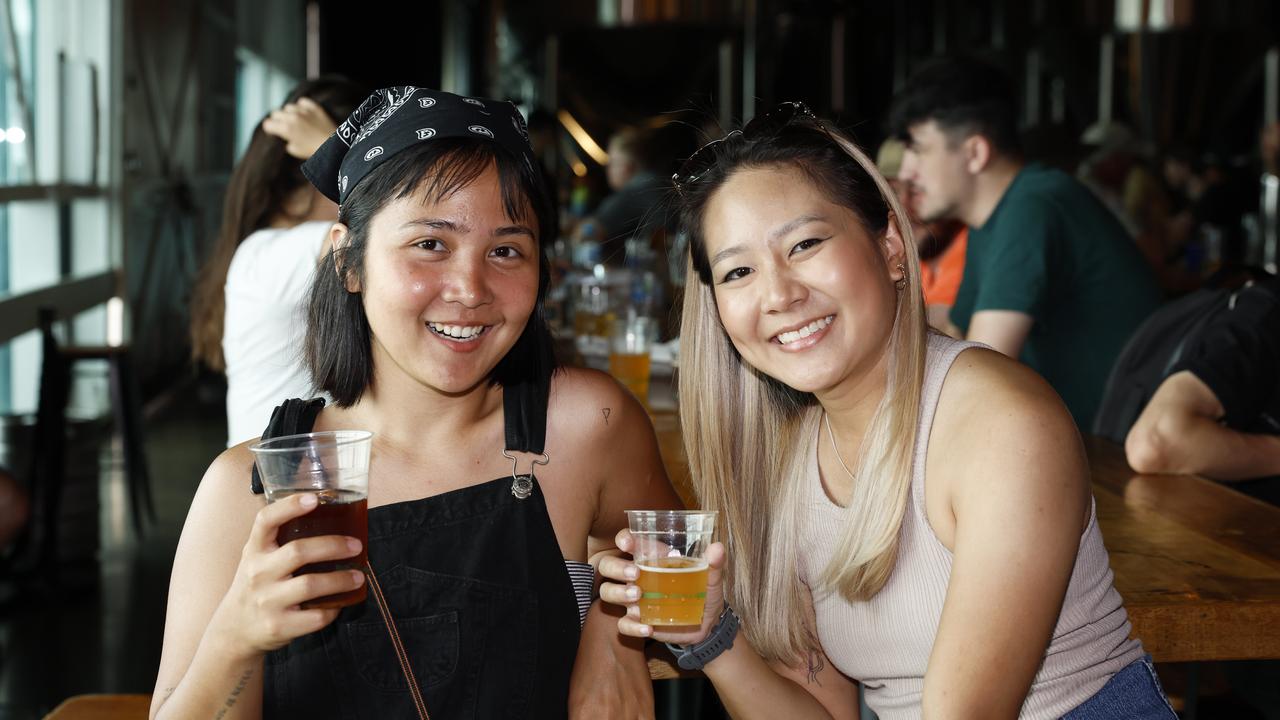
[(1180, 431)]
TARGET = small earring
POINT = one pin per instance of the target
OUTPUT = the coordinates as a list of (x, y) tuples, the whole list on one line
[(901, 282)]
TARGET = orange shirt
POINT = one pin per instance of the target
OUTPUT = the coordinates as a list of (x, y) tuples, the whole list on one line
[(941, 276)]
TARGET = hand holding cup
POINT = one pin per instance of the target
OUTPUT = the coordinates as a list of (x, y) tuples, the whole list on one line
[(264, 609), (672, 586)]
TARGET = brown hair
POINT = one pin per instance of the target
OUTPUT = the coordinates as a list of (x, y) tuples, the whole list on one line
[(261, 181)]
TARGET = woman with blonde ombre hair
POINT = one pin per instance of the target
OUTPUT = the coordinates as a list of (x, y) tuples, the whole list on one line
[(897, 509)]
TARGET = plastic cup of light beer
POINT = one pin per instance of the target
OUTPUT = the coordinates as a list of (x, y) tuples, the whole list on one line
[(629, 346), (334, 466), (670, 550)]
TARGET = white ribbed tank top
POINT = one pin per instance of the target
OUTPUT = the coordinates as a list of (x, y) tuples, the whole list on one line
[(885, 642)]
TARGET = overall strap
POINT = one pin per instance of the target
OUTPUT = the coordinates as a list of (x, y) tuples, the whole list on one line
[(293, 417), (524, 415)]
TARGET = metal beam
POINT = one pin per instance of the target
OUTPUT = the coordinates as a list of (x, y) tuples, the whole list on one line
[(725, 84), (58, 192), (1106, 76), (1032, 108), (18, 313), (1271, 86), (837, 64)]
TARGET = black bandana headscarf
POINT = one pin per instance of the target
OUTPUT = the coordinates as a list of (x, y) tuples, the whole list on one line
[(395, 118)]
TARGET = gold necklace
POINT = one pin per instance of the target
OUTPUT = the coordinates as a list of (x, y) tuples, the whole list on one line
[(835, 449)]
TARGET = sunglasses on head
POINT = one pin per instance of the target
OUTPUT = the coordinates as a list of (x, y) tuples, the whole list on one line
[(701, 161)]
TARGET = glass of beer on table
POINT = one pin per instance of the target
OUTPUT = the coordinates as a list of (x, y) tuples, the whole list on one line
[(335, 467), (670, 551), (629, 346)]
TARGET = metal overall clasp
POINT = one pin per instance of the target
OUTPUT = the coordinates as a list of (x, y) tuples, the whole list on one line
[(522, 485)]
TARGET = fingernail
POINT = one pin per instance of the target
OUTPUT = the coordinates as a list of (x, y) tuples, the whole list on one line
[(645, 630), (633, 593), (632, 572), (357, 577), (308, 500), (353, 545)]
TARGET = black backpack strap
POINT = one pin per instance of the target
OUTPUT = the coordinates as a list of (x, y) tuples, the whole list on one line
[(293, 417), (524, 415)]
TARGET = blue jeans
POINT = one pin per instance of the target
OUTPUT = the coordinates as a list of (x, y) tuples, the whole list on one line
[(1134, 693)]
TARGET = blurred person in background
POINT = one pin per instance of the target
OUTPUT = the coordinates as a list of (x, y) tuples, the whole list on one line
[(15, 513), (1116, 171), (942, 244), (15, 509), (634, 208), (1050, 277), (1269, 148), (1217, 414), (1208, 233), (247, 312)]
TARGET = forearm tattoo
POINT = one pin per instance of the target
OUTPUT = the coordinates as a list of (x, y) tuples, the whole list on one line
[(235, 694)]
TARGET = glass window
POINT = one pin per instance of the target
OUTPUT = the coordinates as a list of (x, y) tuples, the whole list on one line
[(260, 87), (53, 136), (17, 97)]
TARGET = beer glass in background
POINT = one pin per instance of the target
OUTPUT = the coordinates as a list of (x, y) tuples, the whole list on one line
[(670, 550), (591, 315), (335, 466), (629, 347)]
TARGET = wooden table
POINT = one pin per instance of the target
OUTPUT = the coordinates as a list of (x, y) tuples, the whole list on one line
[(1197, 563), (102, 707)]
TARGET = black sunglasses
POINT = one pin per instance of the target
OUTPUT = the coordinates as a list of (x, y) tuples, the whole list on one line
[(701, 161)]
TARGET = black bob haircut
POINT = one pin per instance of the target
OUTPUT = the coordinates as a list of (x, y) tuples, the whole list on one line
[(965, 97), (337, 349)]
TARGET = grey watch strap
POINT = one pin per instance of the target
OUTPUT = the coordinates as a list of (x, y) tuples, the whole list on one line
[(696, 656)]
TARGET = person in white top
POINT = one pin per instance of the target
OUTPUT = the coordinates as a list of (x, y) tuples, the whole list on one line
[(898, 509), (247, 312)]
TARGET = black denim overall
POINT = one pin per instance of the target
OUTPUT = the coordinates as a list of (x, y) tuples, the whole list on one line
[(477, 584)]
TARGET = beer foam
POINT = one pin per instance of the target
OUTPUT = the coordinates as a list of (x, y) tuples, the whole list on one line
[(698, 564)]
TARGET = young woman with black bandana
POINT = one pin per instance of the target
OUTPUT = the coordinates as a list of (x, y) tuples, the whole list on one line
[(426, 328)]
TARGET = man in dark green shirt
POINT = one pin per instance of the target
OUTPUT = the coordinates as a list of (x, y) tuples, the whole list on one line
[(1050, 277)]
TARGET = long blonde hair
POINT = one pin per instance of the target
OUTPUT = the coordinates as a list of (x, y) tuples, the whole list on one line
[(747, 435)]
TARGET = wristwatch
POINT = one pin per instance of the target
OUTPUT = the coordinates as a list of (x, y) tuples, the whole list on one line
[(696, 656)]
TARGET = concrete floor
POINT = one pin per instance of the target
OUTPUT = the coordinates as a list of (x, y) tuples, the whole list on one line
[(99, 629)]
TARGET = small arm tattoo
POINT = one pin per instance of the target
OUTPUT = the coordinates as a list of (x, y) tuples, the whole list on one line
[(606, 412), (235, 694), (815, 666)]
